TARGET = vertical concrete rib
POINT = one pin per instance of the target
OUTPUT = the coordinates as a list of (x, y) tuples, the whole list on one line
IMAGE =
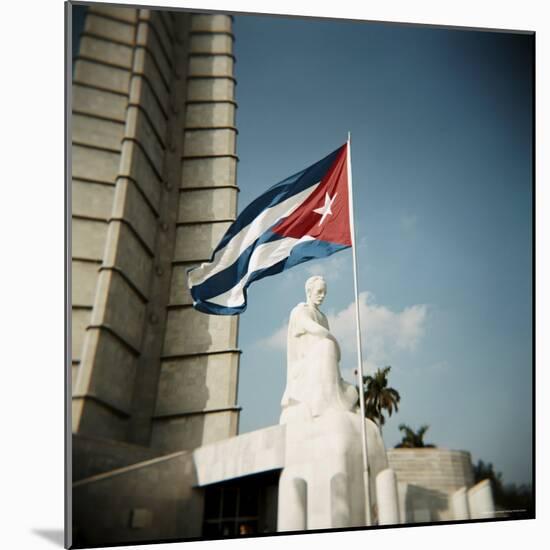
[(103, 395), (154, 189), (100, 97), (175, 40), (197, 391)]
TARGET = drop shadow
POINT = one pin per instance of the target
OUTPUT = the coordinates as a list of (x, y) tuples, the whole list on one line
[(423, 504), (55, 536)]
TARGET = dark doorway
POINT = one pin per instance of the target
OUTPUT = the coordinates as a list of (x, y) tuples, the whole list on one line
[(243, 506)]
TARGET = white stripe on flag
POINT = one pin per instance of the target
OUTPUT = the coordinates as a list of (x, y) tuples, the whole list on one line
[(246, 236), (264, 256)]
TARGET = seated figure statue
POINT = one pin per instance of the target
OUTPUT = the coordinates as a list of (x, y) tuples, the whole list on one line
[(314, 383)]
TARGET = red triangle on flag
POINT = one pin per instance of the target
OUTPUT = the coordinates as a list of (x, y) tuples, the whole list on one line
[(324, 215)]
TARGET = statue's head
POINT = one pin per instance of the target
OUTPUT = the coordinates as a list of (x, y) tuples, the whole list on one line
[(316, 290)]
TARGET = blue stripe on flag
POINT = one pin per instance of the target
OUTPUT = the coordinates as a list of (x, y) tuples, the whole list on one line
[(225, 280), (302, 252)]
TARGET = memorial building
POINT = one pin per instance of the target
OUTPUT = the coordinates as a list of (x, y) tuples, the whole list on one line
[(156, 452)]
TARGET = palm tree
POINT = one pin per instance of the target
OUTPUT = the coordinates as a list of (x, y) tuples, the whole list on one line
[(412, 439), (379, 397)]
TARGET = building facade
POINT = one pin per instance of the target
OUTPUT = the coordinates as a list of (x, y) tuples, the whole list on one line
[(153, 189), (427, 479), (155, 450), (152, 122)]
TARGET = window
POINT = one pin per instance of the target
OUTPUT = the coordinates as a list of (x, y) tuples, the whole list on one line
[(243, 506)]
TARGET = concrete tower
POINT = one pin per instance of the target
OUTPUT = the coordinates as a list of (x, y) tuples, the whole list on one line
[(155, 451), (153, 190)]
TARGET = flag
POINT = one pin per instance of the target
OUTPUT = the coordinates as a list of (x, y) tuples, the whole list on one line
[(304, 217)]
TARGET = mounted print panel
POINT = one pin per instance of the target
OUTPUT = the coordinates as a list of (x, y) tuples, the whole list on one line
[(302, 275)]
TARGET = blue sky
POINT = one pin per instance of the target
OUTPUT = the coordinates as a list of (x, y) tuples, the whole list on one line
[(441, 153)]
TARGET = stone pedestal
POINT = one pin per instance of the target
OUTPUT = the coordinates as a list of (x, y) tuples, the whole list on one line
[(386, 492), (321, 485), (480, 501), (459, 503)]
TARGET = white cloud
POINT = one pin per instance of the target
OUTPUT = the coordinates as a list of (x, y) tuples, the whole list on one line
[(383, 332), (289, 278), (349, 367), (277, 340), (331, 268)]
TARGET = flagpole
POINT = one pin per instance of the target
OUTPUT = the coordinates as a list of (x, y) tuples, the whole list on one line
[(359, 352)]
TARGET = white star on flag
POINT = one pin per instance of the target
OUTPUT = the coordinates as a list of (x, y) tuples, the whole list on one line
[(325, 209)]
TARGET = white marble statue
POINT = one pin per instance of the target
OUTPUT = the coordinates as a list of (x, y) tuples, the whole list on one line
[(314, 383), (318, 444)]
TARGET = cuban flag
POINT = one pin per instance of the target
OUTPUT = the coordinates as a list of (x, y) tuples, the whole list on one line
[(304, 217)]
